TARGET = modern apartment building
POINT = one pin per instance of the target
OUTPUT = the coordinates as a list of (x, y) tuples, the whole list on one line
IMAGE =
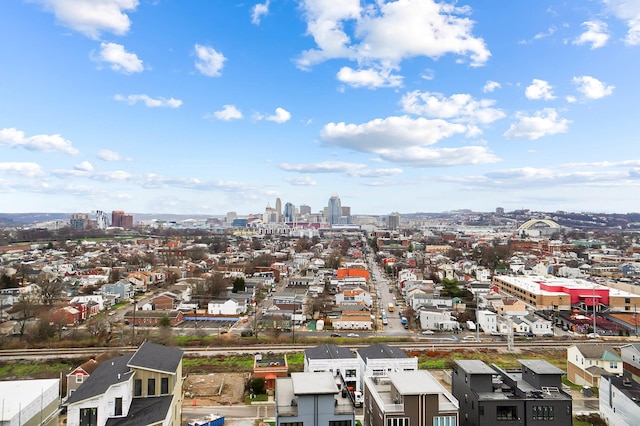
[(337, 360), (531, 395), (408, 398)]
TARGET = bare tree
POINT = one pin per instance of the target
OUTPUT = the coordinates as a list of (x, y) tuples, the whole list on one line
[(25, 310), (50, 288)]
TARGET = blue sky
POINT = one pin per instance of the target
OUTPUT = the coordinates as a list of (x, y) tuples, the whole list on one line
[(204, 107)]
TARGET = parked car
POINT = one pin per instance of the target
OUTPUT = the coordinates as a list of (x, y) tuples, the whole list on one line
[(353, 335), (469, 338), (593, 335), (334, 335), (428, 332), (529, 334)]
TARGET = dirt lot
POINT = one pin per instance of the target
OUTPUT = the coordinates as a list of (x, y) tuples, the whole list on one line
[(215, 389)]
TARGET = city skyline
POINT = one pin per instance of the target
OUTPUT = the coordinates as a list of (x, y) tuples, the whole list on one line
[(153, 107)]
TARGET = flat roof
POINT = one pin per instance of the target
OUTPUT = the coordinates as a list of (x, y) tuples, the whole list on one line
[(313, 383), (415, 382), (475, 366)]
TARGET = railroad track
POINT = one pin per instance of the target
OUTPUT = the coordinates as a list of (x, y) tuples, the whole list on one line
[(74, 353)]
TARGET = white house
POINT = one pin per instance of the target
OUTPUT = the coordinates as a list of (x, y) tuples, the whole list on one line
[(96, 298), (226, 307), (436, 319), (337, 360), (488, 320)]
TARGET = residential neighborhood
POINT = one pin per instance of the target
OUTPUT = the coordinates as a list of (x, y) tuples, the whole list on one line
[(422, 282)]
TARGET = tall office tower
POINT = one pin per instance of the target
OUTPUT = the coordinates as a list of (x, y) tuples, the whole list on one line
[(393, 221), (102, 219), (304, 209), (289, 210), (278, 209), (346, 211), (334, 209)]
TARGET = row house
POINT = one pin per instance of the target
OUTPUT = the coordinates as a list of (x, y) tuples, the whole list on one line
[(489, 395), (619, 395), (337, 360), (437, 320), (354, 296), (586, 363), (408, 398), (353, 320)]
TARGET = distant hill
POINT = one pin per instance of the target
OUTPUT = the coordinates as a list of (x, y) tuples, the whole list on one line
[(24, 219)]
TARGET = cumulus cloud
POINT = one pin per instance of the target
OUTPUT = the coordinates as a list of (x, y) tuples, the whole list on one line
[(370, 78), (108, 155), (542, 123), (490, 86), (539, 89), (84, 166), (301, 181), (258, 11), (628, 11), (92, 17), (459, 107), (209, 62), (27, 169), (387, 32), (592, 88), (13, 138), (119, 59), (419, 156), (375, 173), (227, 113), (596, 34), (388, 133), (149, 101), (281, 116)]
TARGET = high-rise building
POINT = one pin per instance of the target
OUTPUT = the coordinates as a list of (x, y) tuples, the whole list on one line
[(231, 216), (79, 221), (102, 219), (289, 211), (304, 209), (334, 209), (121, 220), (393, 221), (278, 209)]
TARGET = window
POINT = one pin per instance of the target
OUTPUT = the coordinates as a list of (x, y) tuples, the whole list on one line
[(118, 407), (350, 373), (542, 412), (402, 421), (378, 373), (444, 421), (506, 413), (481, 410), (340, 423), (164, 386), (151, 386), (88, 417), (292, 424), (137, 387), (79, 378), (613, 364)]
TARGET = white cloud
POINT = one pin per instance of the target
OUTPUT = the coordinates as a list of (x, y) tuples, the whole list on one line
[(258, 11), (551, 31), (490, 86), (227, 113), (370, 78), (209, 62), (323, 167), (460, 107), (439, 157), (301, 181), (149, 101), (592, 88), (281, 116), (108, 155), (543, 123), (539, 89), (84, 166), (596, 34), (389, 133), (375, 173), (27, 169), (44, 143), (92, 17), (628, 11), (120, 60), (387, 32)]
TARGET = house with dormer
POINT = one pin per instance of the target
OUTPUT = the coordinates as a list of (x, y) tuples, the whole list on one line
[(142, 389)]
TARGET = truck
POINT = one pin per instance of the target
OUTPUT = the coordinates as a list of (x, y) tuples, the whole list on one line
[(403, 320), (390, 307), (471, 325)]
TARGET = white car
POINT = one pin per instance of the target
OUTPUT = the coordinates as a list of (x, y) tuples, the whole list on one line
[(428, 332), (469, 338), (353, 335), (593, 335)]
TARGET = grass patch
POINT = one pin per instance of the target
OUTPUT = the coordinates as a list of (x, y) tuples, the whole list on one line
[(33, 370), (262, 397)]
